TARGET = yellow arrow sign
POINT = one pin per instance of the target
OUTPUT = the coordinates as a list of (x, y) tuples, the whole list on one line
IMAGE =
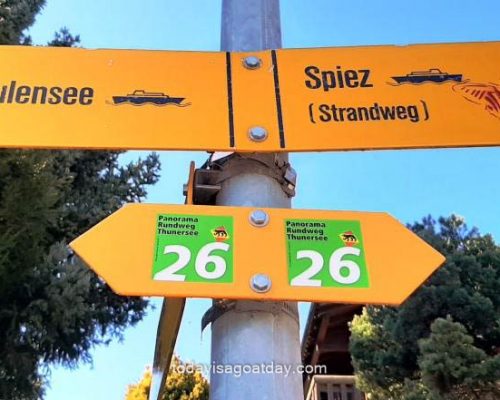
[(388, 97), (379, 97), (113, 99), (274, 254)]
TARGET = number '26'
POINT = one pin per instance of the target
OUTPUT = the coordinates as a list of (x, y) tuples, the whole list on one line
[(336, 265), (203, 259)]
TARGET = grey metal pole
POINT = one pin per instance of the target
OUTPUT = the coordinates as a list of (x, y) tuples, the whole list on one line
[(255, 333)]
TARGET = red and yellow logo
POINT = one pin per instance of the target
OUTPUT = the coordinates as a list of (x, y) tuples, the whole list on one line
[(220, 234), (349, 238)]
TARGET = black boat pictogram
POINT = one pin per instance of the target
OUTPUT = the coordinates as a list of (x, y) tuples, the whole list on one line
[(432, 75), (141, 97)]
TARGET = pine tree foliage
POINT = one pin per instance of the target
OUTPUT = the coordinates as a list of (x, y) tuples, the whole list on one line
[(15, 17), (64, 38), (453, 368), (444, 341), (54, 309), (51, 310), (184, 382)]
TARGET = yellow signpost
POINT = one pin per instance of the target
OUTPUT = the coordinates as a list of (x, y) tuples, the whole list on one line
[(378, 97), (166, 337), (113, 99), (389, 97), (215, 252)]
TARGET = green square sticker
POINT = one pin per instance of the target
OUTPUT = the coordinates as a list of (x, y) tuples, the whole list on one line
[(325, 253), (193, 248)]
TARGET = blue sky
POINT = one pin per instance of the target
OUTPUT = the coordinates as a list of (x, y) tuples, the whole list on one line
[(407, 184)]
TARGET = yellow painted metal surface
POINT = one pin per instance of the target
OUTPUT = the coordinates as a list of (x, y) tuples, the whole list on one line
[(91, 89), (121, 250), (448, 96), (166, 336), (378, 97), (254, 102)]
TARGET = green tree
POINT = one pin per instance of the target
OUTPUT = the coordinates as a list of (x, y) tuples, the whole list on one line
[(15, 17), (445, 339), (53, 309), (453, 368), (184, 382)]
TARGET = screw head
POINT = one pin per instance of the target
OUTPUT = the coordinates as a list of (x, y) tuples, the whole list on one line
[(259, 218), (252, 62), (260, 283), (257, 133)]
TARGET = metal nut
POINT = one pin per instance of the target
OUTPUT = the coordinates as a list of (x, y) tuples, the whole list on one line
[(252, 62), (257, 133), (259, 218), (260, 283)]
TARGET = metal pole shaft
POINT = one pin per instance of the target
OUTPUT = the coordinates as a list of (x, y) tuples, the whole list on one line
[(255, 333)]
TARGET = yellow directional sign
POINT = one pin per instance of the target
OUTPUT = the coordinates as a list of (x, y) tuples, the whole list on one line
[(113, 99), (243, 253), (389, 97), (379, 97)]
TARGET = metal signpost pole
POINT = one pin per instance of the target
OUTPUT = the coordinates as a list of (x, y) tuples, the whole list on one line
[(251, 333)]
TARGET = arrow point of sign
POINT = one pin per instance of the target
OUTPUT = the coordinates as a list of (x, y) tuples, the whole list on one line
[(97, 247), (421, 261), (122, 250)]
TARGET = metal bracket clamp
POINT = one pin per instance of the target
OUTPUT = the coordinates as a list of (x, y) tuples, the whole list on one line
[(209, 178), (220, 307)]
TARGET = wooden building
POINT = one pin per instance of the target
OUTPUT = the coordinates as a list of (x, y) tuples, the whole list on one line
[(326, 343)]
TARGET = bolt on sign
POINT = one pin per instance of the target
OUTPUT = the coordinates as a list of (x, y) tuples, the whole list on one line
[(267, 254), (377, 97)]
